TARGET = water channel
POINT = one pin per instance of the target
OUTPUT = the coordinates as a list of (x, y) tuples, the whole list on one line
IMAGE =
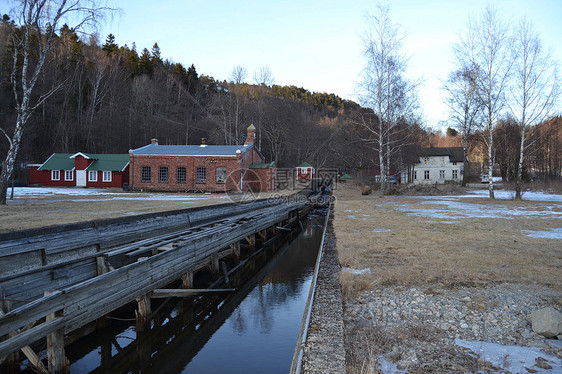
[(253, 330)]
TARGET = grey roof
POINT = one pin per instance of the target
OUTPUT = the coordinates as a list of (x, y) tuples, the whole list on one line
[(190, 150), (455, 154)]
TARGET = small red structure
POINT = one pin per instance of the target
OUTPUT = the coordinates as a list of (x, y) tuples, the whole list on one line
[(82, 170), (305, 171)]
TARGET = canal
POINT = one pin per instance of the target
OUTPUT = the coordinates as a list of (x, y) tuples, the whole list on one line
[(253, 330)]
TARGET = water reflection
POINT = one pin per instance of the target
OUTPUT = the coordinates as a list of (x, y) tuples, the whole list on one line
[(253, 330)]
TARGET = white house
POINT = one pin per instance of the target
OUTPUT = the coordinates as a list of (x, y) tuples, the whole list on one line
[(439, 165)]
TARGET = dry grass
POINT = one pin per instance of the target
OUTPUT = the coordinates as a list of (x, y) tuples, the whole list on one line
[(40, 211), (422, 250)]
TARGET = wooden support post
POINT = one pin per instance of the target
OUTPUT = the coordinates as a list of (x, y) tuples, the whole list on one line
[(236, 251), (215, 266), (271, 230), (55, 346), (143, 313), (187, 280), (263, 235), (225, 272), (251, 239)]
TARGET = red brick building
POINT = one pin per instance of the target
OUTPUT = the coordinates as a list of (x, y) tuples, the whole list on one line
[(202, 167), (82, 170)]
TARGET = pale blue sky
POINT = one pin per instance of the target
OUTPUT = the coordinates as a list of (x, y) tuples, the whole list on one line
[(314, 44)]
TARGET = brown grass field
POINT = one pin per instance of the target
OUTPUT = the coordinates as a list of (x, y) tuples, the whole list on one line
[(460, 250), (33, 211)]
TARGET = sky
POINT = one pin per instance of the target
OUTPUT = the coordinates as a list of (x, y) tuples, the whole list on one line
[(315, 44)]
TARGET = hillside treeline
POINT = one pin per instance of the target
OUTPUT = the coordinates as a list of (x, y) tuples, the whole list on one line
[(112, 98)]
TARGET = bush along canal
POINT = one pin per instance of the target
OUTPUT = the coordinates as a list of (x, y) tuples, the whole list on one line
[(251, 330)]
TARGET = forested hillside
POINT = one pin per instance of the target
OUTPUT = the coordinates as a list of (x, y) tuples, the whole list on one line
[(112, 98)]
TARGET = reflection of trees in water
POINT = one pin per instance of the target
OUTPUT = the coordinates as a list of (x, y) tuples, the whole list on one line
[(278, 288), (239, 325)]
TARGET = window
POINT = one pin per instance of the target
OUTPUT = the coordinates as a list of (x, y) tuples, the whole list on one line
[(441, 174), (454, 164), (426, 174), (415, 174), (145, 174), (92, 176), (221, 175), (426, 160), (106, 176), (68, 175), (55, 175), (455, 174), (201, 175), (163, 174), (181, 174)]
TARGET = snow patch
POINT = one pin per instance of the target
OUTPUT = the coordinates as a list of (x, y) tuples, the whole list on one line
[(550, 234), (388, 367), (356, 271), (512, 358), (381, 230)]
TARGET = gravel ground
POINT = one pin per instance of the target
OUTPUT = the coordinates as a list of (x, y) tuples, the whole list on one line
[(415, 330)]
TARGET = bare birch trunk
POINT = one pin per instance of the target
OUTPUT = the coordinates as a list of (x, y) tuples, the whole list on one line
[(520, 166)]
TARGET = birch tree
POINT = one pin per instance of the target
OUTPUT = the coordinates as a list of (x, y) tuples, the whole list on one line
[(383, 88), (39, 32), (486, 48), (535, 87), (465, 106)]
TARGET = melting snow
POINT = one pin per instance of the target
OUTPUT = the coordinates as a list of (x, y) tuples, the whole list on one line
[(388, 367), (357, 271), (381, 230), (550, 234), (512, 358), (106, 195)]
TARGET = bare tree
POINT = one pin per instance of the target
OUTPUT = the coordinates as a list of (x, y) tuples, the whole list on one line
[(486, 49), (40, 26), (465, 106), (263, 76), (383, 88), (535, 88), (239, 74)]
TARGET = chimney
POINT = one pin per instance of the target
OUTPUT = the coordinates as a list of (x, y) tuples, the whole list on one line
[(238, 154), (154, 141), (203, 142), (250, 135)]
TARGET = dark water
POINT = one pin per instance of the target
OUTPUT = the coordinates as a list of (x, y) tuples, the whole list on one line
[(254, 330)]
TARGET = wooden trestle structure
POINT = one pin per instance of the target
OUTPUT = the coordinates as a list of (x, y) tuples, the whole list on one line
[(56, 280)]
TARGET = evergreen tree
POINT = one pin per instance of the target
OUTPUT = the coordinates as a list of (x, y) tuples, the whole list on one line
[(110, 46), (156, 55), (145, 63)]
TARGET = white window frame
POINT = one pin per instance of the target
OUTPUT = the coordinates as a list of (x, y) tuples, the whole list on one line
[(426, 175), (68, 175), (455, 174), (104, 176), (181, 174), (221, 180), (441, 174), (163, 174), (146, 171), (92, 175), (415, 174), (55, 175), (201, 175)]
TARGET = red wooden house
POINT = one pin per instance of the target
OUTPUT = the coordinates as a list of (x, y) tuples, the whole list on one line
[(305, 171), (202, 167), (82, 170)]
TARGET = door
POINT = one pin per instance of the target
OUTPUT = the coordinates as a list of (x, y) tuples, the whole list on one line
[(80, 178)]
